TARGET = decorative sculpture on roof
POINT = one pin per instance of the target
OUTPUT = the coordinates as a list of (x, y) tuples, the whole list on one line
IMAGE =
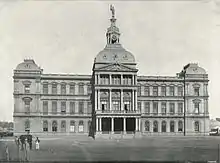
[(112, 10)]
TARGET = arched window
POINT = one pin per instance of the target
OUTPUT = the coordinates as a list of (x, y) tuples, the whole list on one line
[(172, 126), (63, 126), (54, 126), (196, 126), (81, 126), (155, 129), (72, 126), (164, 126), (27, 125), (147, 126), (45, 126), (180, 126)]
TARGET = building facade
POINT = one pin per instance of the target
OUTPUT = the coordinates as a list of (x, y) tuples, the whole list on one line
[(113, 100)]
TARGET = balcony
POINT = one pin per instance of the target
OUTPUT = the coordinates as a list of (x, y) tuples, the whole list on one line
[(118, 112)]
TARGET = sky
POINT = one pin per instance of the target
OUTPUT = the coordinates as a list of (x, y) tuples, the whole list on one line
[(65, 36)]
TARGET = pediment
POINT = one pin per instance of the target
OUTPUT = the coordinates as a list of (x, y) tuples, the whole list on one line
[(116, 67)]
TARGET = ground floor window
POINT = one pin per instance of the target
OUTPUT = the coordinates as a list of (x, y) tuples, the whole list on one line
[(45, 126), (196, 126), (164, 126), (155, 129), (81, 126), (72, 126), (147, 126), (180, 126), (54, 126), (63, 126), (172, 126), (27, 125)]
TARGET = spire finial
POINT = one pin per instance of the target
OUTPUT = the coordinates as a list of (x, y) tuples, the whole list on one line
[(112, 10)]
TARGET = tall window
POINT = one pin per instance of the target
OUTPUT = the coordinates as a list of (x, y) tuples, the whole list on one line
[(63, 88), (45, 126), (147, 107), (89, 89), (180, 108), (89, 107), (104, 79), (54, 126), (155, 126), (45, 88), (72, 89), (196, 91), (155, 91), (81, 126), (63, 107), (116, 79), (54, 107), (54, 88), (139, 106), (147, 91), (81, 89), (127, 105), (81, 107), (164, 126), (172, 126), (26, 88), (196, 106), (196, 126), (163, 108), (116, 105), (180, 91), (104, 105), (180, 126), (172, 91), (147, 126), (72, 107), (172, 108), (155, 108), (163, 91), (139, 91), (27, 125), (27, 106), (45, 107), (127, 79), (72, 126), (63, 126)]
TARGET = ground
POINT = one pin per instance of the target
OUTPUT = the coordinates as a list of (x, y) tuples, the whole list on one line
[(83, 148)]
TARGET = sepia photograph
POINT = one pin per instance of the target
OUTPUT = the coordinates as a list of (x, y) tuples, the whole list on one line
[(110, 81)]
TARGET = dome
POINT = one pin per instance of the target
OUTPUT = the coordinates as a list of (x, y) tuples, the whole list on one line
[(28, 64), (193, 68), (114, 53)]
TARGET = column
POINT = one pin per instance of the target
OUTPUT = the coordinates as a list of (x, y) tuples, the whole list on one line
[(124, 124), (135, 101), (122, 107), (100, 124), (139, 125), (98, 107), (136, 124), (132, 99), (110, 79), (110, 99), (97, 124), (96, 100), (121, 79), (112, 124)]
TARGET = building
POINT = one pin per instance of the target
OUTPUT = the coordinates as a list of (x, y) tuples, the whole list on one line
[(114, 99)]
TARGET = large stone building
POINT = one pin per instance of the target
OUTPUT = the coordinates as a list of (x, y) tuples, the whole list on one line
[(114, 99)]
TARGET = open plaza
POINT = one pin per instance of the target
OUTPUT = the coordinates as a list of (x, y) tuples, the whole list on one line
[(84, 148)]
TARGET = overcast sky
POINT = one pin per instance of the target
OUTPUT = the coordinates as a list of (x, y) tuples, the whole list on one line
[(65, 37)]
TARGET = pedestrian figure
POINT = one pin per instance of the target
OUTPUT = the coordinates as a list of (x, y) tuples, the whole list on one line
[(37, 141), (7, 153), (29, 137)]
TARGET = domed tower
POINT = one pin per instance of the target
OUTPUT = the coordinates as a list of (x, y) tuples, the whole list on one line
[(115, 85)]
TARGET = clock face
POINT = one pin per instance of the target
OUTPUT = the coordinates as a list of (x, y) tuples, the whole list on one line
[(114, 37)]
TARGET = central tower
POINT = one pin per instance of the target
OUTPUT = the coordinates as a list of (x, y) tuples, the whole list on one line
[(115, 86)]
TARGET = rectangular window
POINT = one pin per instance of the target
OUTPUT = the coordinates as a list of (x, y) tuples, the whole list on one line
[(155, 91), (180, 91), (163, 108), (63, 89), (172, 108), (147, 107), (155, 108), (196, 91), (139, 91), (104, 79), (81, 107), (63, 107), (72, 107), (45, 107), (116, 79), (172, 91), (196, 106), (139, 106), (54, 107), (116, 105), (89, 107), (147, 91), (180, 108), (104, 105), (54, 88), (81, 89), (127, 105), (72, 89), (27, 107), (27, 89), (89, 89), (163, 91), (45, 88)]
